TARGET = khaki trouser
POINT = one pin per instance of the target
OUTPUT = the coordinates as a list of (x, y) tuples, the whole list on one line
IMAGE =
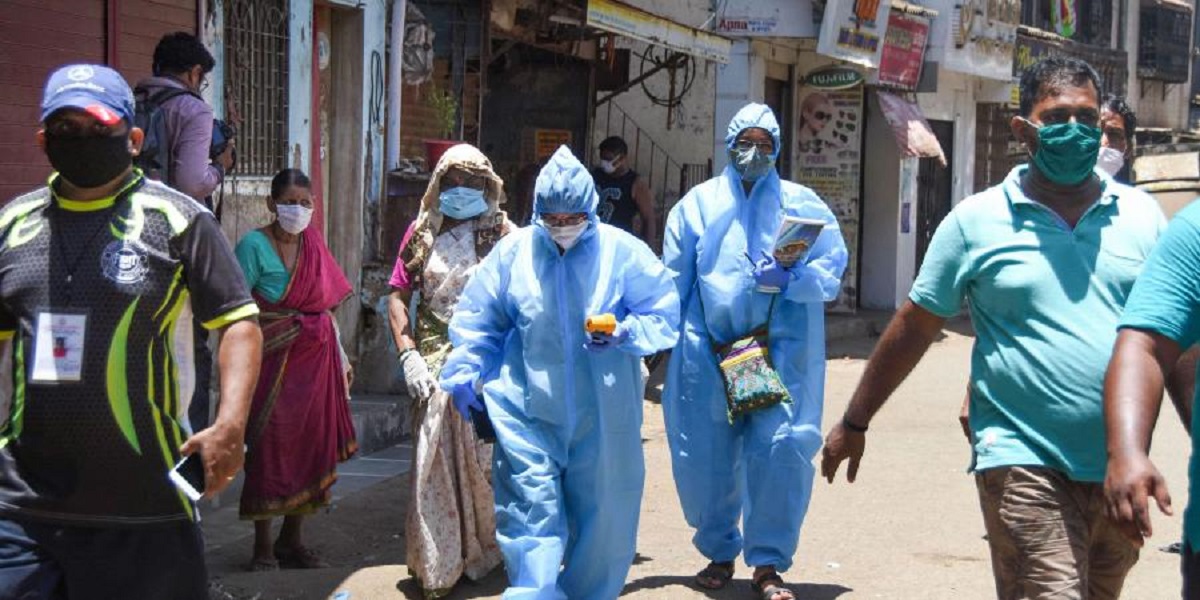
[(1049, 536)]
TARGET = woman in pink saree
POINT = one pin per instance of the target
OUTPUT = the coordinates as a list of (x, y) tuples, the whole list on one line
[(299, 426)]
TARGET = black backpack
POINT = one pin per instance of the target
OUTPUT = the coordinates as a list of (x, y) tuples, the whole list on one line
[(154, 159)]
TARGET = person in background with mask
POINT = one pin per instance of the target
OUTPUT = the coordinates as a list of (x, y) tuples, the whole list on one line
[(451, 525), (756, 468), (624, 193), (565, 404), (1047, 260), (1117, 126), (300, 425), (101, 271)]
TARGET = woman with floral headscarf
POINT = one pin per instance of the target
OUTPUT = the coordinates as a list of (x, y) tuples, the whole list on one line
[(450, 523)]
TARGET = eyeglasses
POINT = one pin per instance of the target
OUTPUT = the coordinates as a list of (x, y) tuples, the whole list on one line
[(747, 145), (563, 219), (821, 115)]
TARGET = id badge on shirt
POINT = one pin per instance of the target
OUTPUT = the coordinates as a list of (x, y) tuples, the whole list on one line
[(58, 347)]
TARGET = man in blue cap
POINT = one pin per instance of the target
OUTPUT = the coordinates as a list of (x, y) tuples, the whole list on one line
[(101, 272), (566, 405)]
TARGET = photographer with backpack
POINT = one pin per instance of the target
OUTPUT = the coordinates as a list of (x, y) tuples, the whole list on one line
[(179, 125), (179, 150)]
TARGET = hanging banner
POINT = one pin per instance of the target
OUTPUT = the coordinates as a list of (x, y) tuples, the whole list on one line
[(829, 155), (774, 18), (913, 134), (903, 51), (853, 30)]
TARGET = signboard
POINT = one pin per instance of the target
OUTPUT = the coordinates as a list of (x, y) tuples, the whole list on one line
[(903, 50), (852, 30), (829, 154), (774, 18), (629, 21), (977, 37), (1112, 65), (547, 141)]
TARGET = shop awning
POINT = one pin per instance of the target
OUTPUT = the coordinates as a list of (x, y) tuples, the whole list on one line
[(629, 21), (913, 134)]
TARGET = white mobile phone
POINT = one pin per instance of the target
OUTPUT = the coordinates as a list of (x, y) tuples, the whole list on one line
[(188, 476)]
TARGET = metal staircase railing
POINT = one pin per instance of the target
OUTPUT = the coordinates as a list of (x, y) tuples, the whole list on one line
[(668, 179)]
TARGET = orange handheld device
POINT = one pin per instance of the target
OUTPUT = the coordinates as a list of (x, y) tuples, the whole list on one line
[(605, 323)]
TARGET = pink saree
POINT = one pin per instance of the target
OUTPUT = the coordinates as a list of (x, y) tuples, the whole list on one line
[(299, 426)]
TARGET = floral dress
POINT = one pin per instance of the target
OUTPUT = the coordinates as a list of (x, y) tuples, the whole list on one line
[(451, 525)]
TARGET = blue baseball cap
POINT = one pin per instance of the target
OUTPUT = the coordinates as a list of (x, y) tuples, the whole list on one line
[(94, 89)]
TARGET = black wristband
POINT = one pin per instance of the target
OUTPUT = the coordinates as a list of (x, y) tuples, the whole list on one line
[(852, 427)]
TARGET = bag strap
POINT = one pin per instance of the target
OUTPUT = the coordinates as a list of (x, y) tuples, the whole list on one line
[(760, 330)]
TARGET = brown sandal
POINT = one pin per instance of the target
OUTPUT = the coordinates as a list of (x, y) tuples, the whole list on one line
[(769, 586), (715, 575), (298, 558)]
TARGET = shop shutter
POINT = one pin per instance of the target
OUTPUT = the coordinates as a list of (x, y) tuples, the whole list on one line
[(36, 36)]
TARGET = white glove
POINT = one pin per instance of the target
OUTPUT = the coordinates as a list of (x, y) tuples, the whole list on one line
[(417, 377)]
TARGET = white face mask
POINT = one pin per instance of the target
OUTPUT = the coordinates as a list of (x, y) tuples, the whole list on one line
[(608, 166), (1111, 160), (293, 218), (567, 235)]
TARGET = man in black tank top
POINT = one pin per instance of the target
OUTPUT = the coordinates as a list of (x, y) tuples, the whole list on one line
[(623, 193)]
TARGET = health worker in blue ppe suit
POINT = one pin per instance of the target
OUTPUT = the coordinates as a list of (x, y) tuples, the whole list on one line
[(757, 467), (566, 405)]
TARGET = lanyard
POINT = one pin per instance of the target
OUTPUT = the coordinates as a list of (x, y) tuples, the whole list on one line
[(71, 264)]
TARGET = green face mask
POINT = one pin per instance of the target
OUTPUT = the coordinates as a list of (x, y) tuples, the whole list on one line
[(1067, 152)]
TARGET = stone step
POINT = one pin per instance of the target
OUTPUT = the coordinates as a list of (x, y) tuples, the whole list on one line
[(380, 420)]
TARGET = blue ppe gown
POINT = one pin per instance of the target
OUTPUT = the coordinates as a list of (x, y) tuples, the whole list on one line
[(759, 468), (568, 468)]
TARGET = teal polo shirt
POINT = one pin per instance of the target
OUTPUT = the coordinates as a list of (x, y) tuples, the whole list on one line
[(1166, 300), (1045, 300)]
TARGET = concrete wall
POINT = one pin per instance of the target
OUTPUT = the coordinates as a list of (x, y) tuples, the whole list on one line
[(882, 243)]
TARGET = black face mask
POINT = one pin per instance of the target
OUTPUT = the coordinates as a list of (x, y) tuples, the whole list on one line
[(90, 161)]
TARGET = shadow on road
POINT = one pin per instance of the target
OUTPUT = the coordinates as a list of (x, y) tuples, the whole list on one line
[(738, 588)]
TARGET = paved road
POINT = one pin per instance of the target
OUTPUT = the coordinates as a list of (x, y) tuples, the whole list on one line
[(908, 529)]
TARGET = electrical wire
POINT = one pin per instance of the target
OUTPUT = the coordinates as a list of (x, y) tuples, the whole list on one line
[(683, 62)]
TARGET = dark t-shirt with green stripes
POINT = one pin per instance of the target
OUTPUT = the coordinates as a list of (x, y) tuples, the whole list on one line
[(92, 442)]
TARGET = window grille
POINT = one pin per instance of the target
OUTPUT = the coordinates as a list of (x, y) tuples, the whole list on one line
[(256, 82)]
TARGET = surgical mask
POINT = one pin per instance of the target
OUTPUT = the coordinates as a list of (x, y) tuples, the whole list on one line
[(751, 164), (566, 235), (608, 166), (1067, 152), (90, 161), (1111, 160), (293, 218), (462, 203)]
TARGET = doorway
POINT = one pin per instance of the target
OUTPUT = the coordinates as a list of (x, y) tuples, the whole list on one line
[(777, 94), (337, 69), (934, 188)]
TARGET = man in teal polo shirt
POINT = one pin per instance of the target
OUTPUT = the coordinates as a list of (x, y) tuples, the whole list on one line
[(1161, 319), (1046, 260)]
